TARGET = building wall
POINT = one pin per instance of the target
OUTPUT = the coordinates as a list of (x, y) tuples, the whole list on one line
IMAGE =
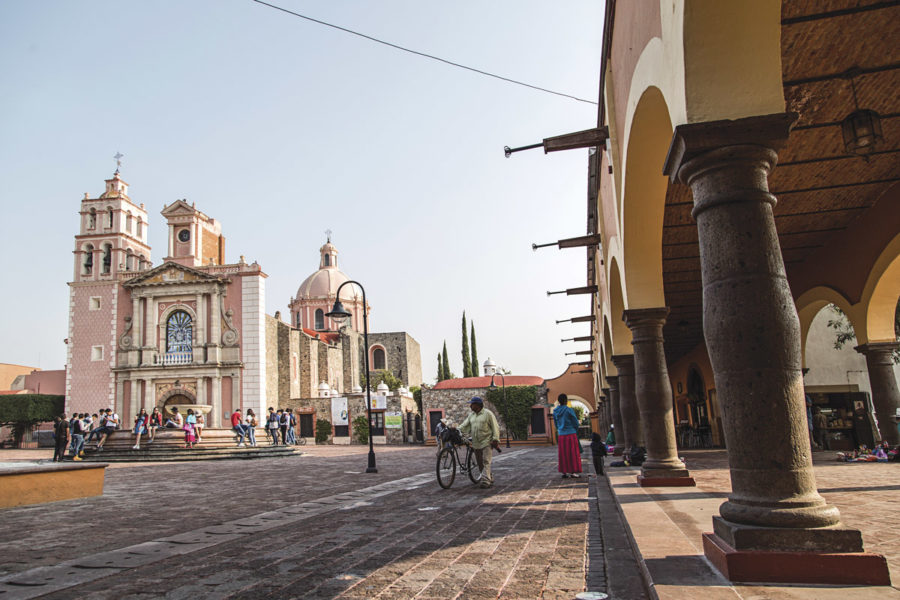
[(402, 356), (253, 335), (91, 383), (278, 360), (9, 373), (356, 406)]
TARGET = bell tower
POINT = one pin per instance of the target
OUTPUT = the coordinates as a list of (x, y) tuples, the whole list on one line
[(195, 240)]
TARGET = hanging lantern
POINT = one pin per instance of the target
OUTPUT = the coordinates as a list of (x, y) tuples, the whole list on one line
[(862, 132)]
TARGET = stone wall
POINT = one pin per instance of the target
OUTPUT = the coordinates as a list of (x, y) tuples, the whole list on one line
[(278, 364), (402, 356), (356, 406), (455, 405)]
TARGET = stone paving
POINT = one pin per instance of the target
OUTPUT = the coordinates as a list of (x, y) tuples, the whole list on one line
[(316, 526)]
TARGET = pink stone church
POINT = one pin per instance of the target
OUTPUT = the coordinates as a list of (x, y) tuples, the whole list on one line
[(193, 330)]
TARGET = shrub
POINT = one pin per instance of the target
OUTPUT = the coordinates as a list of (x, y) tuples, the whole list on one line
[(323, 430), (517, 408), (361, 429)]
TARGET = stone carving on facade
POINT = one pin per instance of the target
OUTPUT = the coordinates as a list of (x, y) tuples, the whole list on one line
[(173, 388), (230, 336), (125, 339)]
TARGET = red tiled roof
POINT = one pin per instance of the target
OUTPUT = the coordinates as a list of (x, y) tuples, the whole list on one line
[(326, 336), (483, 382)]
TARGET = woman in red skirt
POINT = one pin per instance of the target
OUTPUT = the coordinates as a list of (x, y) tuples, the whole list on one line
[(567, 430)]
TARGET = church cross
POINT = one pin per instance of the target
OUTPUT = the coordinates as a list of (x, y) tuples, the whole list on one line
[(119, 156), (328, 233)]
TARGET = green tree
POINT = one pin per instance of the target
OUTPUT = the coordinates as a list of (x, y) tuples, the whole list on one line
[(447, 374), (21, 412), (323, 430), (440, 374), (383, 375), (474, 352), (467, 363), (844, 329), (579, 412), (361, 429), (514, 405)]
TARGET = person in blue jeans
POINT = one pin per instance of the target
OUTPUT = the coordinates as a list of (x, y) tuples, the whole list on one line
[(238, 426)]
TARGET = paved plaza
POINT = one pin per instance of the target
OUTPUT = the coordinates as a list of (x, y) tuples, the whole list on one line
[(317, 526)]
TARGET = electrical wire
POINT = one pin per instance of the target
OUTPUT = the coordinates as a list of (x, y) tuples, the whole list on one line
[(424, 55)]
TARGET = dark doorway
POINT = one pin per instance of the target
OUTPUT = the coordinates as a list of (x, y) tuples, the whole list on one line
[(538, 422), (434, 417), (306, 425)]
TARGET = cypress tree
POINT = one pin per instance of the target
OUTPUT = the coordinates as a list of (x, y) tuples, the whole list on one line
[(467, 364), (440, 375), (446, 362), (474, 352)]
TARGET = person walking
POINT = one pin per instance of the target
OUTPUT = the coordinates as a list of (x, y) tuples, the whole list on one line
[(61, 433), (292, 425), (283, 426), (78, 437), (568, 449), (140, 428), (482, 425)]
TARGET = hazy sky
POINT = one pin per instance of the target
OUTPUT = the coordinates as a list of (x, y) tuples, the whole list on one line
[(280, 129)]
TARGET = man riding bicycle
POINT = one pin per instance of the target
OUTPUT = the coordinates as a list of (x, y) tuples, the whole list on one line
[(481, 424)]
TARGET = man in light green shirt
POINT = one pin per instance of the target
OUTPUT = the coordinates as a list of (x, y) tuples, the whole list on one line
[(481, 424)]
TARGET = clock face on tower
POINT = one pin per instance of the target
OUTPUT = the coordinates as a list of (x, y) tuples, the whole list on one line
[(184, 235)]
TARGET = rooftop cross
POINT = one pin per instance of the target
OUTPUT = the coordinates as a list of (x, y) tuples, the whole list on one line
[(328, 233), (119, 156)]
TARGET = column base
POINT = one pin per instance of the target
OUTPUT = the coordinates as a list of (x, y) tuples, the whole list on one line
[(666, 481), (760, 566), (827, 540)]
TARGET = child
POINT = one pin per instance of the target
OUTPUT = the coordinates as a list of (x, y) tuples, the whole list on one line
[(189, 422), (598, 450)]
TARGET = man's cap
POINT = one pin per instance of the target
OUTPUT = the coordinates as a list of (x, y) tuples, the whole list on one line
[(476, 400)]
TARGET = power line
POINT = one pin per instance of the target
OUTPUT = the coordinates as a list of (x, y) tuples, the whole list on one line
[(424, 55)]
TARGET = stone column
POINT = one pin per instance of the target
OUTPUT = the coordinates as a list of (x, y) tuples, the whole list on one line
[(653, 391), (215, 319), (753, 337), (216, 412), (885, 395), (628, 408), (615, 410)]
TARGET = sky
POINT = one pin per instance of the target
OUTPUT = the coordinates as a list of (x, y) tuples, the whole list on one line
[(281, 129)]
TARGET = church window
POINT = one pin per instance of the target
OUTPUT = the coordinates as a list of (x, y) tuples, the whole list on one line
[(327, 260), (143, 262), (107, 257), (179, 333), (378, 359), (88, 259), (129, 223), (138, 233), (129, 261), (320, 319), (109, 214), (92, 219), (95, 303), (96, 353)]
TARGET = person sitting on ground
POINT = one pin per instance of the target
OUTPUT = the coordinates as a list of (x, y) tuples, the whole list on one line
[(155, 423), (140, 428), (238, 427), (637, 455), (482, 425), (176, 421), (598, 451)]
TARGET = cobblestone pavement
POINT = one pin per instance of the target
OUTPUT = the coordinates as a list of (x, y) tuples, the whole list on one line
[(315, 526)]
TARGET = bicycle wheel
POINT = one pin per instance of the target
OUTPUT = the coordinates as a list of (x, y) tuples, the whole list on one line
[(472, 466), (446, 468)]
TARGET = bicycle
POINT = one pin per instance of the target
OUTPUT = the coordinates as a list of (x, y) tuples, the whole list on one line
[(448, 457)]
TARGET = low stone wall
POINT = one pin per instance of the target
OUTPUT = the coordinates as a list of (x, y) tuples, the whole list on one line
[(356, 406)]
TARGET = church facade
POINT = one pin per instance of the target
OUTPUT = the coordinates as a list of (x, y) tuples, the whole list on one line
[(192, 331)]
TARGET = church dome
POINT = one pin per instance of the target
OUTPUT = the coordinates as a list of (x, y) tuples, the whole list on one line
[(325, 282)]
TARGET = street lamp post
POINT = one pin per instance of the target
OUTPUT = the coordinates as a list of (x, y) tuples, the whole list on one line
[(505, 403), (339, 313)]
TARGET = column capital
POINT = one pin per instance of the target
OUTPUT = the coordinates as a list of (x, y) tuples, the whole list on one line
[(695, 139), (605, 392), (624, 363), (641, 317), (613, 381), (880, 351)]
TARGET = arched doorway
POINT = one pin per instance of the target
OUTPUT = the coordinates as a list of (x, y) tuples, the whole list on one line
[(177, 400)]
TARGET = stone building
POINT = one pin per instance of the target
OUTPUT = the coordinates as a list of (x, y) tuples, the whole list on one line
[(193, 331), (742, 175), (449, 399)]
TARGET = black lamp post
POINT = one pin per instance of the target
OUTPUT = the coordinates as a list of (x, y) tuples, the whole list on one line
[(505, 403), (339, 313)]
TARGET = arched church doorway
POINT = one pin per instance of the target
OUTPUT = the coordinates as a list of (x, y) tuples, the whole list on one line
[(177, 400)]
